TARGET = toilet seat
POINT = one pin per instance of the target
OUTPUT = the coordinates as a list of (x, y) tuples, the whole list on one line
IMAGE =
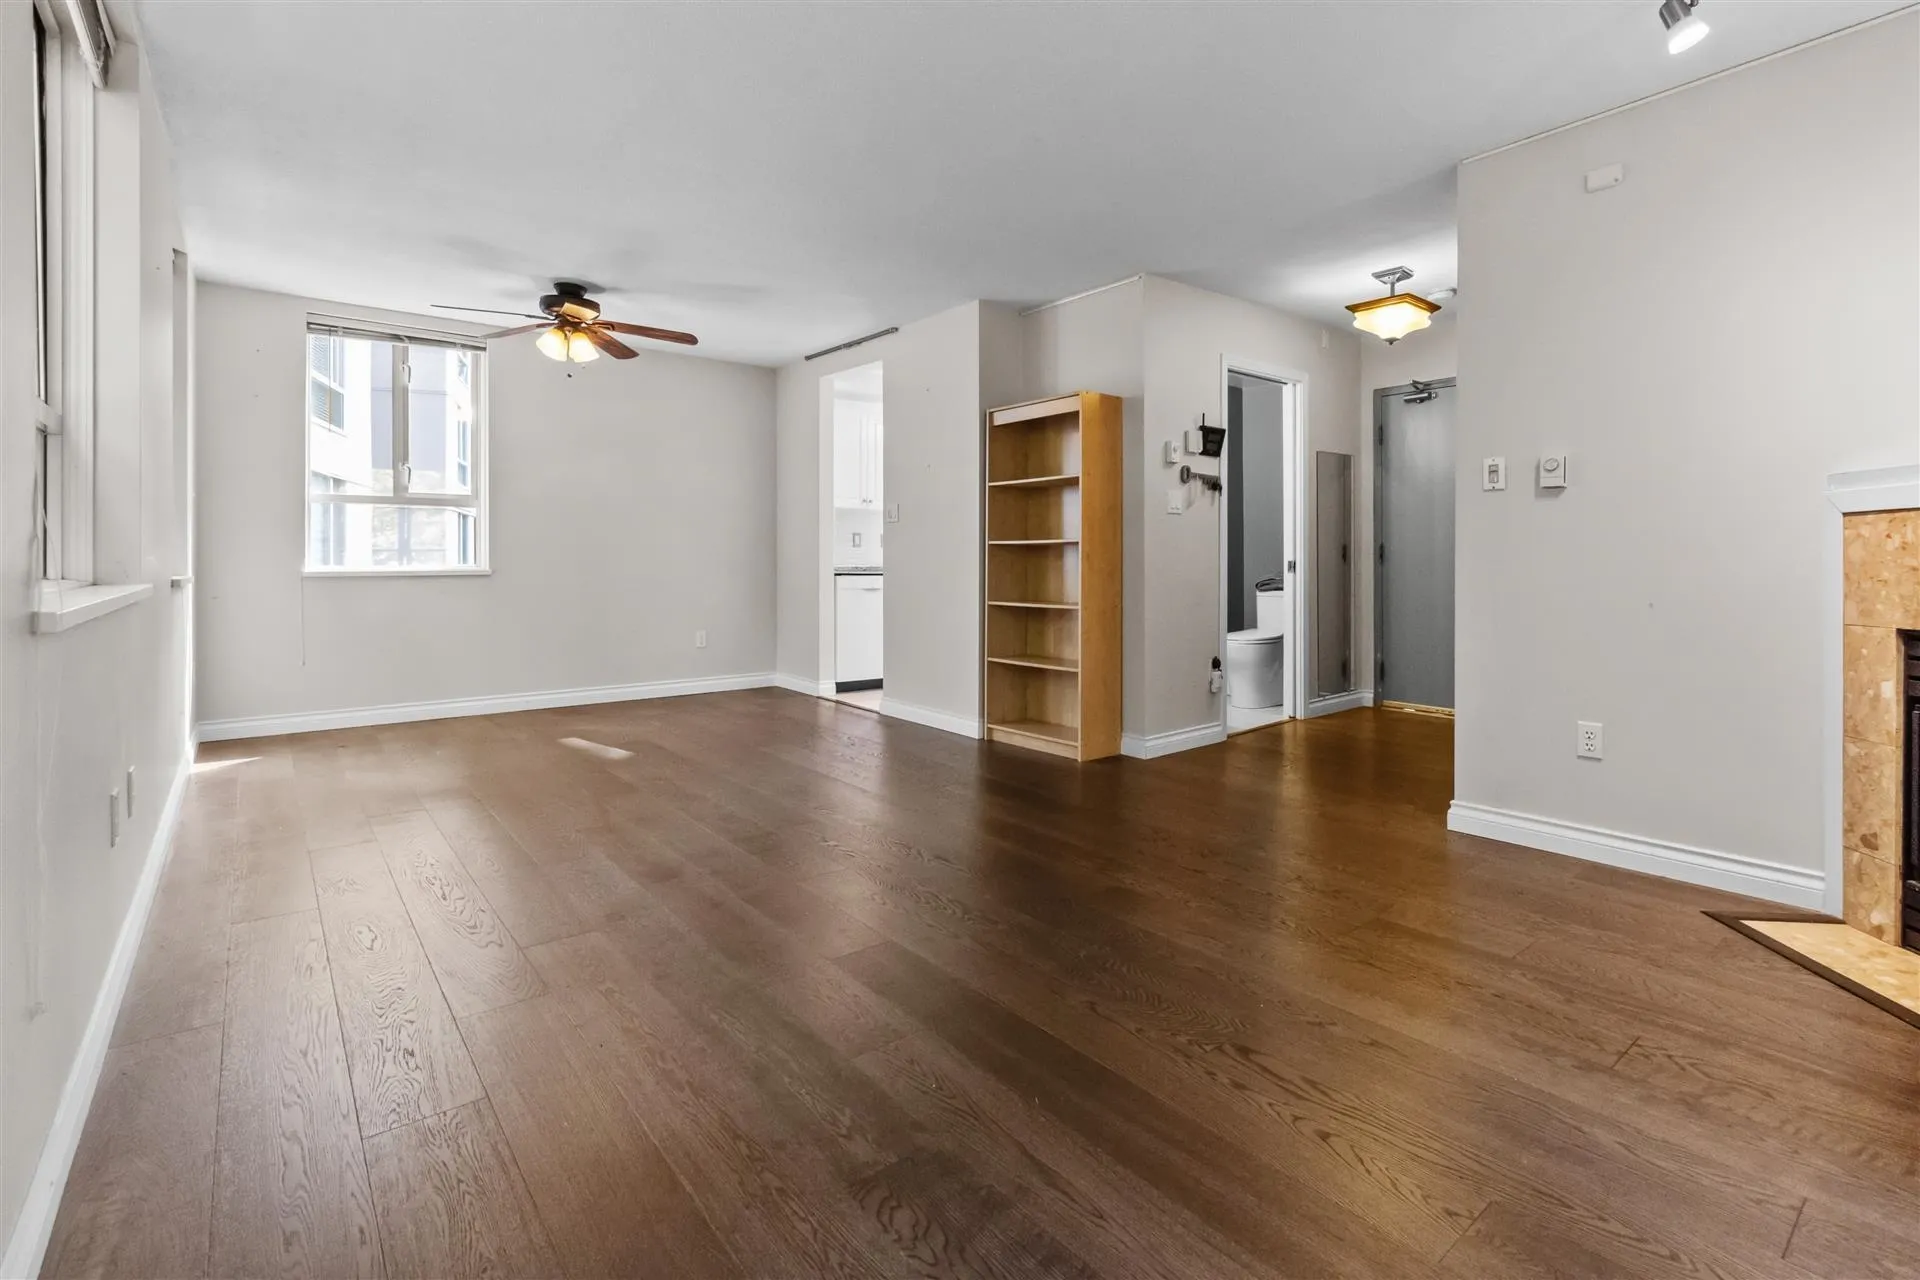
[(1254, 635)]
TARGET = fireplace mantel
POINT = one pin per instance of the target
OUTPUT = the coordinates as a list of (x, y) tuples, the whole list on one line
[(1880, 606)]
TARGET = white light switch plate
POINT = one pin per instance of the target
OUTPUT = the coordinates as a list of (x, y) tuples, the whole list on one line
[(893, 513), (1493, 474), (1176, 502), (1173, 452)]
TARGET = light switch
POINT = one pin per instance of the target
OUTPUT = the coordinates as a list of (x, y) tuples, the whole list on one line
[(1553, 471), (1176, 502), (893, 513), (1493, 474), (1173, 452)]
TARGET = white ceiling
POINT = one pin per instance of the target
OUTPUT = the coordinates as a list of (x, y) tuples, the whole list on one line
[(779, 177)]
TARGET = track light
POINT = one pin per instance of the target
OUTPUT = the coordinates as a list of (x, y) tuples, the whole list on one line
[(1684, 28)]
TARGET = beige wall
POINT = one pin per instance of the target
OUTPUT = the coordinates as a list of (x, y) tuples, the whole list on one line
[(1188, 332), (939, 375), (1708, 342), (78, 708), (632, 504)]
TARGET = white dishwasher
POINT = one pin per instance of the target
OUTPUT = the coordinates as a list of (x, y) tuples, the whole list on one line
[(859, 629)]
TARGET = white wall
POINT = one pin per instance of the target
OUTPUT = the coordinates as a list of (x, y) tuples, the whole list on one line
[(1187, 334), (632, 504), (940, 375), (79, 707), (1708, 341)]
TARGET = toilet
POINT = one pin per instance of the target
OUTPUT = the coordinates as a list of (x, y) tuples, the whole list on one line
[(1256, 672)]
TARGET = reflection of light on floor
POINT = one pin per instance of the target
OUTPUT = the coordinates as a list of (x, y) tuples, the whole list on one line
[(208, 766), (596, 749)]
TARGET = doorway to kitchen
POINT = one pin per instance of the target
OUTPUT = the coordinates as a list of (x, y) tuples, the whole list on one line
[(1262, 623), (1413, 523), (858, 565)]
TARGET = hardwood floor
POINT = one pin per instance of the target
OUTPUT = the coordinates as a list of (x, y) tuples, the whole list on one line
[(757, 985)]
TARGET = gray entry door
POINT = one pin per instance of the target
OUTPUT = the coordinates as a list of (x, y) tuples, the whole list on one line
[(1415, 553)]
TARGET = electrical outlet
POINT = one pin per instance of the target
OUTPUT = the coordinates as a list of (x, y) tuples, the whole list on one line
[(129, 791), (699, 639), (113, 818), (856, 538), (1590, 744)]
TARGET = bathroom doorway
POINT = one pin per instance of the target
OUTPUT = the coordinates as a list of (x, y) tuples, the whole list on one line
[(1262, 628)]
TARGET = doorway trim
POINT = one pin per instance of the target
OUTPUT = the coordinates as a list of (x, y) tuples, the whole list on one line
[(1294, 432), (1377, 645)]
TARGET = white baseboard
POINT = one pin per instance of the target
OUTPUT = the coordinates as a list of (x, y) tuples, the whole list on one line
[(1147, 746), (402, 712), (1349, 701), (965, 726), (34, 1227), (1736, 873), (800, 684)]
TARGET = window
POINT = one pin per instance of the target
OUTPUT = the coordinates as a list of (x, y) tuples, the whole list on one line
[(50, 453), (394, 437)]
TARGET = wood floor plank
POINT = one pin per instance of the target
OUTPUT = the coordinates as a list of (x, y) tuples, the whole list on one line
[(514, 883), (403, 1046), (451, 1201), (755, 984), (479, 964), (611, 1202), (290, 1189), (142, 1178)]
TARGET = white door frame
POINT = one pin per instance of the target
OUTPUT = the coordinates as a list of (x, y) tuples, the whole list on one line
[(1294, 443)]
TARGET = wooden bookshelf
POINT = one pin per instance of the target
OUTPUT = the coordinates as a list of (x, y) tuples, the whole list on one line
[(1052, 585)]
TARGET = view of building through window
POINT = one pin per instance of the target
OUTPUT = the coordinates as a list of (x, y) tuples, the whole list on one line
[(391, 430)]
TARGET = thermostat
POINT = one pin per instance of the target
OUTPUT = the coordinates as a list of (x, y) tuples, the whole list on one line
[(1553, 471)]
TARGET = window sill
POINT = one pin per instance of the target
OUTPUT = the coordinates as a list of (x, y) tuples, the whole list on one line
[(395, 573), (62, 606)]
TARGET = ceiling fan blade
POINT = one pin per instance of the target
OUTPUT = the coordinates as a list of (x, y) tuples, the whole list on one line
[(600, 338), (492, 311), (648, 331), (508, 333)]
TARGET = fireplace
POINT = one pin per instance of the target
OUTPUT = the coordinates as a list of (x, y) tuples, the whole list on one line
[(1909, 888)]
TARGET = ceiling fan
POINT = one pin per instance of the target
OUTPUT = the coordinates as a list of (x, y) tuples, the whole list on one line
[(573, 330)]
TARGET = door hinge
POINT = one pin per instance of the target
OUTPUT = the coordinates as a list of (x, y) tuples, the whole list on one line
[(1380, 433), (1290, 567), (1381, 668), (1343, 671), (1383, 553), (1343, 553)]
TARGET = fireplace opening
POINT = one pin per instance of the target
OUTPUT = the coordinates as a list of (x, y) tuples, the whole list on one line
[(1910, 797)]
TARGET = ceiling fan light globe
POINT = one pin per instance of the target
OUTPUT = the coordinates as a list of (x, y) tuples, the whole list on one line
[(580, 348), (552, 344)]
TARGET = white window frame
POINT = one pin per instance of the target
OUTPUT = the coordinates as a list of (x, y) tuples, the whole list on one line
[(403, 341), (64, 405)]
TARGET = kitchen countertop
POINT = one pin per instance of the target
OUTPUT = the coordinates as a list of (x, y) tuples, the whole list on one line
[(859, 570)]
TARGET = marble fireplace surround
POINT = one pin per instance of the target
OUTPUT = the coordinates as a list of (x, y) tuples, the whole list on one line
[(1880, 598)]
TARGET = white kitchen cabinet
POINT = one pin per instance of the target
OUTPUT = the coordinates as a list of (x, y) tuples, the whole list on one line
[(857, 463), (859, 626)]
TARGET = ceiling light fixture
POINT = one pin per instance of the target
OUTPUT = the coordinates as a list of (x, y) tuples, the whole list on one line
[(1396, 315), (1684, 28), (552, 344), (580, 348)]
